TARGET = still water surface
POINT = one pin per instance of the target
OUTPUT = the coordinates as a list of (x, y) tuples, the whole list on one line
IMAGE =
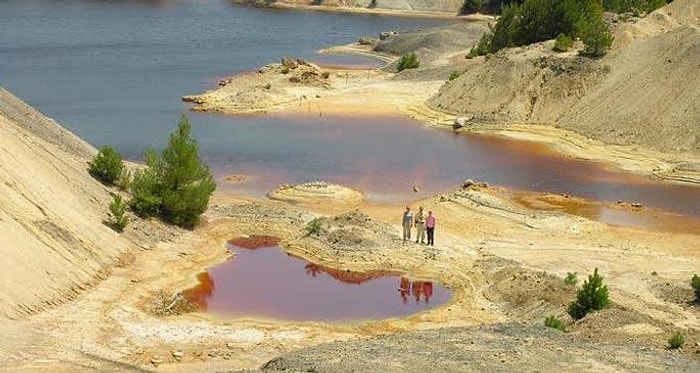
[(262, 280), (113, 72)]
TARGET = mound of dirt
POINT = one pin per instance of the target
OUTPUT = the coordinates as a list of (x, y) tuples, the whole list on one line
[(432, 43), (649, 97), (499, 348), (51, 213), (645, 91), (316, 192), (272, 85)]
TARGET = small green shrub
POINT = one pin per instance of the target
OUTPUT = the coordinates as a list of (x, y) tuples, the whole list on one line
[(483, 48), (593, 296), (676, 341), (562, 43), (454, 75), (145, 190), (596, 36), (695, 283), (408, 61), (124, 182), (554, 323), (313, 227), (325, 75), (107, 165), (571, 278), (117, 214)]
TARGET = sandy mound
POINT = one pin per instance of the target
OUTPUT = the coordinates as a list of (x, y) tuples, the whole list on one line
[(316, 192), (432, 43), (645, 91), (272, 86), (51, 213)]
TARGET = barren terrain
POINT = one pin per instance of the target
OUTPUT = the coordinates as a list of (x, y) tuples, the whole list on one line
[(78, 297)]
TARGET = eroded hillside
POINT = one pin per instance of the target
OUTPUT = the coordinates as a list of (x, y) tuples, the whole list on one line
[(51, 212), (645, 91)]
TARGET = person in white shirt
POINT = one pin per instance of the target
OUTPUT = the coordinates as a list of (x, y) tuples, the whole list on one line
[(407, 223)]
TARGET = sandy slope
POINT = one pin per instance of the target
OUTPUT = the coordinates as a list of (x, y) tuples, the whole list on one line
[(51, 211), (644, 92)]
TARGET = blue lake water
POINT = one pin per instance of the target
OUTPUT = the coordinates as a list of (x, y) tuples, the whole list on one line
[(113, 72)]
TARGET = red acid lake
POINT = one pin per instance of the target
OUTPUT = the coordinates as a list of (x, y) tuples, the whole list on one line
[(264, 281), (386, 156)]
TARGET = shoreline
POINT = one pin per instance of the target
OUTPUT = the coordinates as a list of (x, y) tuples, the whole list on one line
[(371, 11), (382, 96)]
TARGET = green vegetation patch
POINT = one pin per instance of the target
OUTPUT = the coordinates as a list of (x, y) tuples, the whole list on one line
[(176, 186), (408, 61), (592, 296), (107, 165)]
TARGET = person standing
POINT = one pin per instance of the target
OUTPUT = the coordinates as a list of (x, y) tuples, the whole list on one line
[(407, 222), (420, 225), (430, 227)]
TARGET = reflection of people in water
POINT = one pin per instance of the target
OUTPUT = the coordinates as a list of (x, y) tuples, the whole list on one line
[(427, 290), (415, 288), (404, 289)]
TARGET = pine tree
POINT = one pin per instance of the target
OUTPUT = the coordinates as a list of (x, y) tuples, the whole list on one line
[(177, 185), (593, 296), (117, 214)]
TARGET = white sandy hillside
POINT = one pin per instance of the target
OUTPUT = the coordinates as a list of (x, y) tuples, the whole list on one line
[(645, 91), (651, 94), (51, 233)]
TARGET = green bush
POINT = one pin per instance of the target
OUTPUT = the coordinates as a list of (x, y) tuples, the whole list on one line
[(117, 214), (554, 323), (562, 43), (107, 165), (695, 283), (313, 227), (124, 182), (592, 296), (596, 37), (676, 341), (454, 75), (483, 48), (146, 199), (571, 278), (176, 185), (408, 61), (539, 20), (472, 6)]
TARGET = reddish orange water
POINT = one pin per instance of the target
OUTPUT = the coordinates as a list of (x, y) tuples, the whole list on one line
[(386, 156), (264, 281)]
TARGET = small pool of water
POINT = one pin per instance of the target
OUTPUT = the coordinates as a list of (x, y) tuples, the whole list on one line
[(264, 281)]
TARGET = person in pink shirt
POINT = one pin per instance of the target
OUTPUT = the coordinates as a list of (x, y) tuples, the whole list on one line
[(430, 227)]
